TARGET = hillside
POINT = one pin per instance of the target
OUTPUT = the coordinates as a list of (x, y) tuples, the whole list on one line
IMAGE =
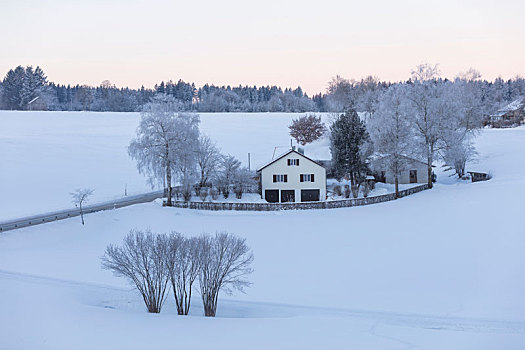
[(441, 269)]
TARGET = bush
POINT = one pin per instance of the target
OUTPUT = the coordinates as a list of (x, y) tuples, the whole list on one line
[(238, 190), (355, 191), (186, 193), (366, 189), (347, 191), (337, 190), (141, 261), (225, 261), (214, 193), (225, 191), (203, 193)]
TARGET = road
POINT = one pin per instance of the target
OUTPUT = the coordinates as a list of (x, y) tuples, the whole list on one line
[(14, 224)]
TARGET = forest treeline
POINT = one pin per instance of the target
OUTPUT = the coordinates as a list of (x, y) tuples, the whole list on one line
[(27, 88)]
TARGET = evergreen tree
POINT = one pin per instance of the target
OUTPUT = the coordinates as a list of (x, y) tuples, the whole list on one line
[(12, 86), (33, 85), (348, 144)]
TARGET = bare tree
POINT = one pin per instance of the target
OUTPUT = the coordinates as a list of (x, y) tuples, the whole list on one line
[(228, 169), (141, 260), (225, 262), (183, 264), (243, 180), (80, 197), (208, 160), (307, 129)]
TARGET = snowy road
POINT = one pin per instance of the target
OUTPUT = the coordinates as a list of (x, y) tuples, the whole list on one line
[(69, 213)]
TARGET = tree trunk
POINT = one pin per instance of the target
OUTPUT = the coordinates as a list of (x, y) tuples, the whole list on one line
[(81, 213), (429, 166), (429, 176), (396, 181), (168, 183)]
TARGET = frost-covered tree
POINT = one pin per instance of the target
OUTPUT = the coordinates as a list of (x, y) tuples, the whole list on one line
[(186, 156), (391, 131), (142, 261), (430, 113), (183, 263), (348, 144), (465, 97), (81, 197), (225, 262), (307, 129), (165, 143), (340, 94), (368, 95), (458, 151)]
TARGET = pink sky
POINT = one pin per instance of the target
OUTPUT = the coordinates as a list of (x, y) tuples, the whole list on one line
[(287, 43)]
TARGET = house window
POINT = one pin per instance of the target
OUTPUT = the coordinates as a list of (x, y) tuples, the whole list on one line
[(293, 162), (306, 178), (280, 178)]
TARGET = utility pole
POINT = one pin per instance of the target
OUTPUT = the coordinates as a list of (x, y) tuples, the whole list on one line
[(249, 168)]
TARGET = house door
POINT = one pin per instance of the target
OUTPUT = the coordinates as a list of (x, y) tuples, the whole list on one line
[(271, 196), (287, 196), (413, 176), (310, 195)]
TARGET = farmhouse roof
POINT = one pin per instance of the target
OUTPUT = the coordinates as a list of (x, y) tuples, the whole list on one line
[(378, 156), (284, 155), (511, 107)]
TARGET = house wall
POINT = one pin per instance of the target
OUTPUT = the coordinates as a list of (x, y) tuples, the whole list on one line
[(306, 166), (404, 178)]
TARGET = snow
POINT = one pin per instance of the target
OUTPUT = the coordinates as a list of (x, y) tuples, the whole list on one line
[(46, 155), (441, 269)]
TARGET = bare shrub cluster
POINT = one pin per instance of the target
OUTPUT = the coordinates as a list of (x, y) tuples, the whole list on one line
[(155, 262)]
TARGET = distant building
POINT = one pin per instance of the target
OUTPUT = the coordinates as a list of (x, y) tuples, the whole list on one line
[(293, 177), (511, 114), (416, 172)]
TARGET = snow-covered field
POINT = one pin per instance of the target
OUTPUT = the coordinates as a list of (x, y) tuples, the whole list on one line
[(442, 269), (46, 155)]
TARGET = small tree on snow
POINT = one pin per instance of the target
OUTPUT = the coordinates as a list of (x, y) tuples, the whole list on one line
[(307, 129), (141, 259), (225, 262), (183, 264), (80, 197)]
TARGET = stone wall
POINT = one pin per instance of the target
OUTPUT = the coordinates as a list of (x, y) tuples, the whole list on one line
[(343, 203)]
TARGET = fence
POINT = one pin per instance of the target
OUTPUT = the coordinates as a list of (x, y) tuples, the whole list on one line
[(343, 203), (64, 214)]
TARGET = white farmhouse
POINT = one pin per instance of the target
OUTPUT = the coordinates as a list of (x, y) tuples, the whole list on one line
[(293, 177)]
